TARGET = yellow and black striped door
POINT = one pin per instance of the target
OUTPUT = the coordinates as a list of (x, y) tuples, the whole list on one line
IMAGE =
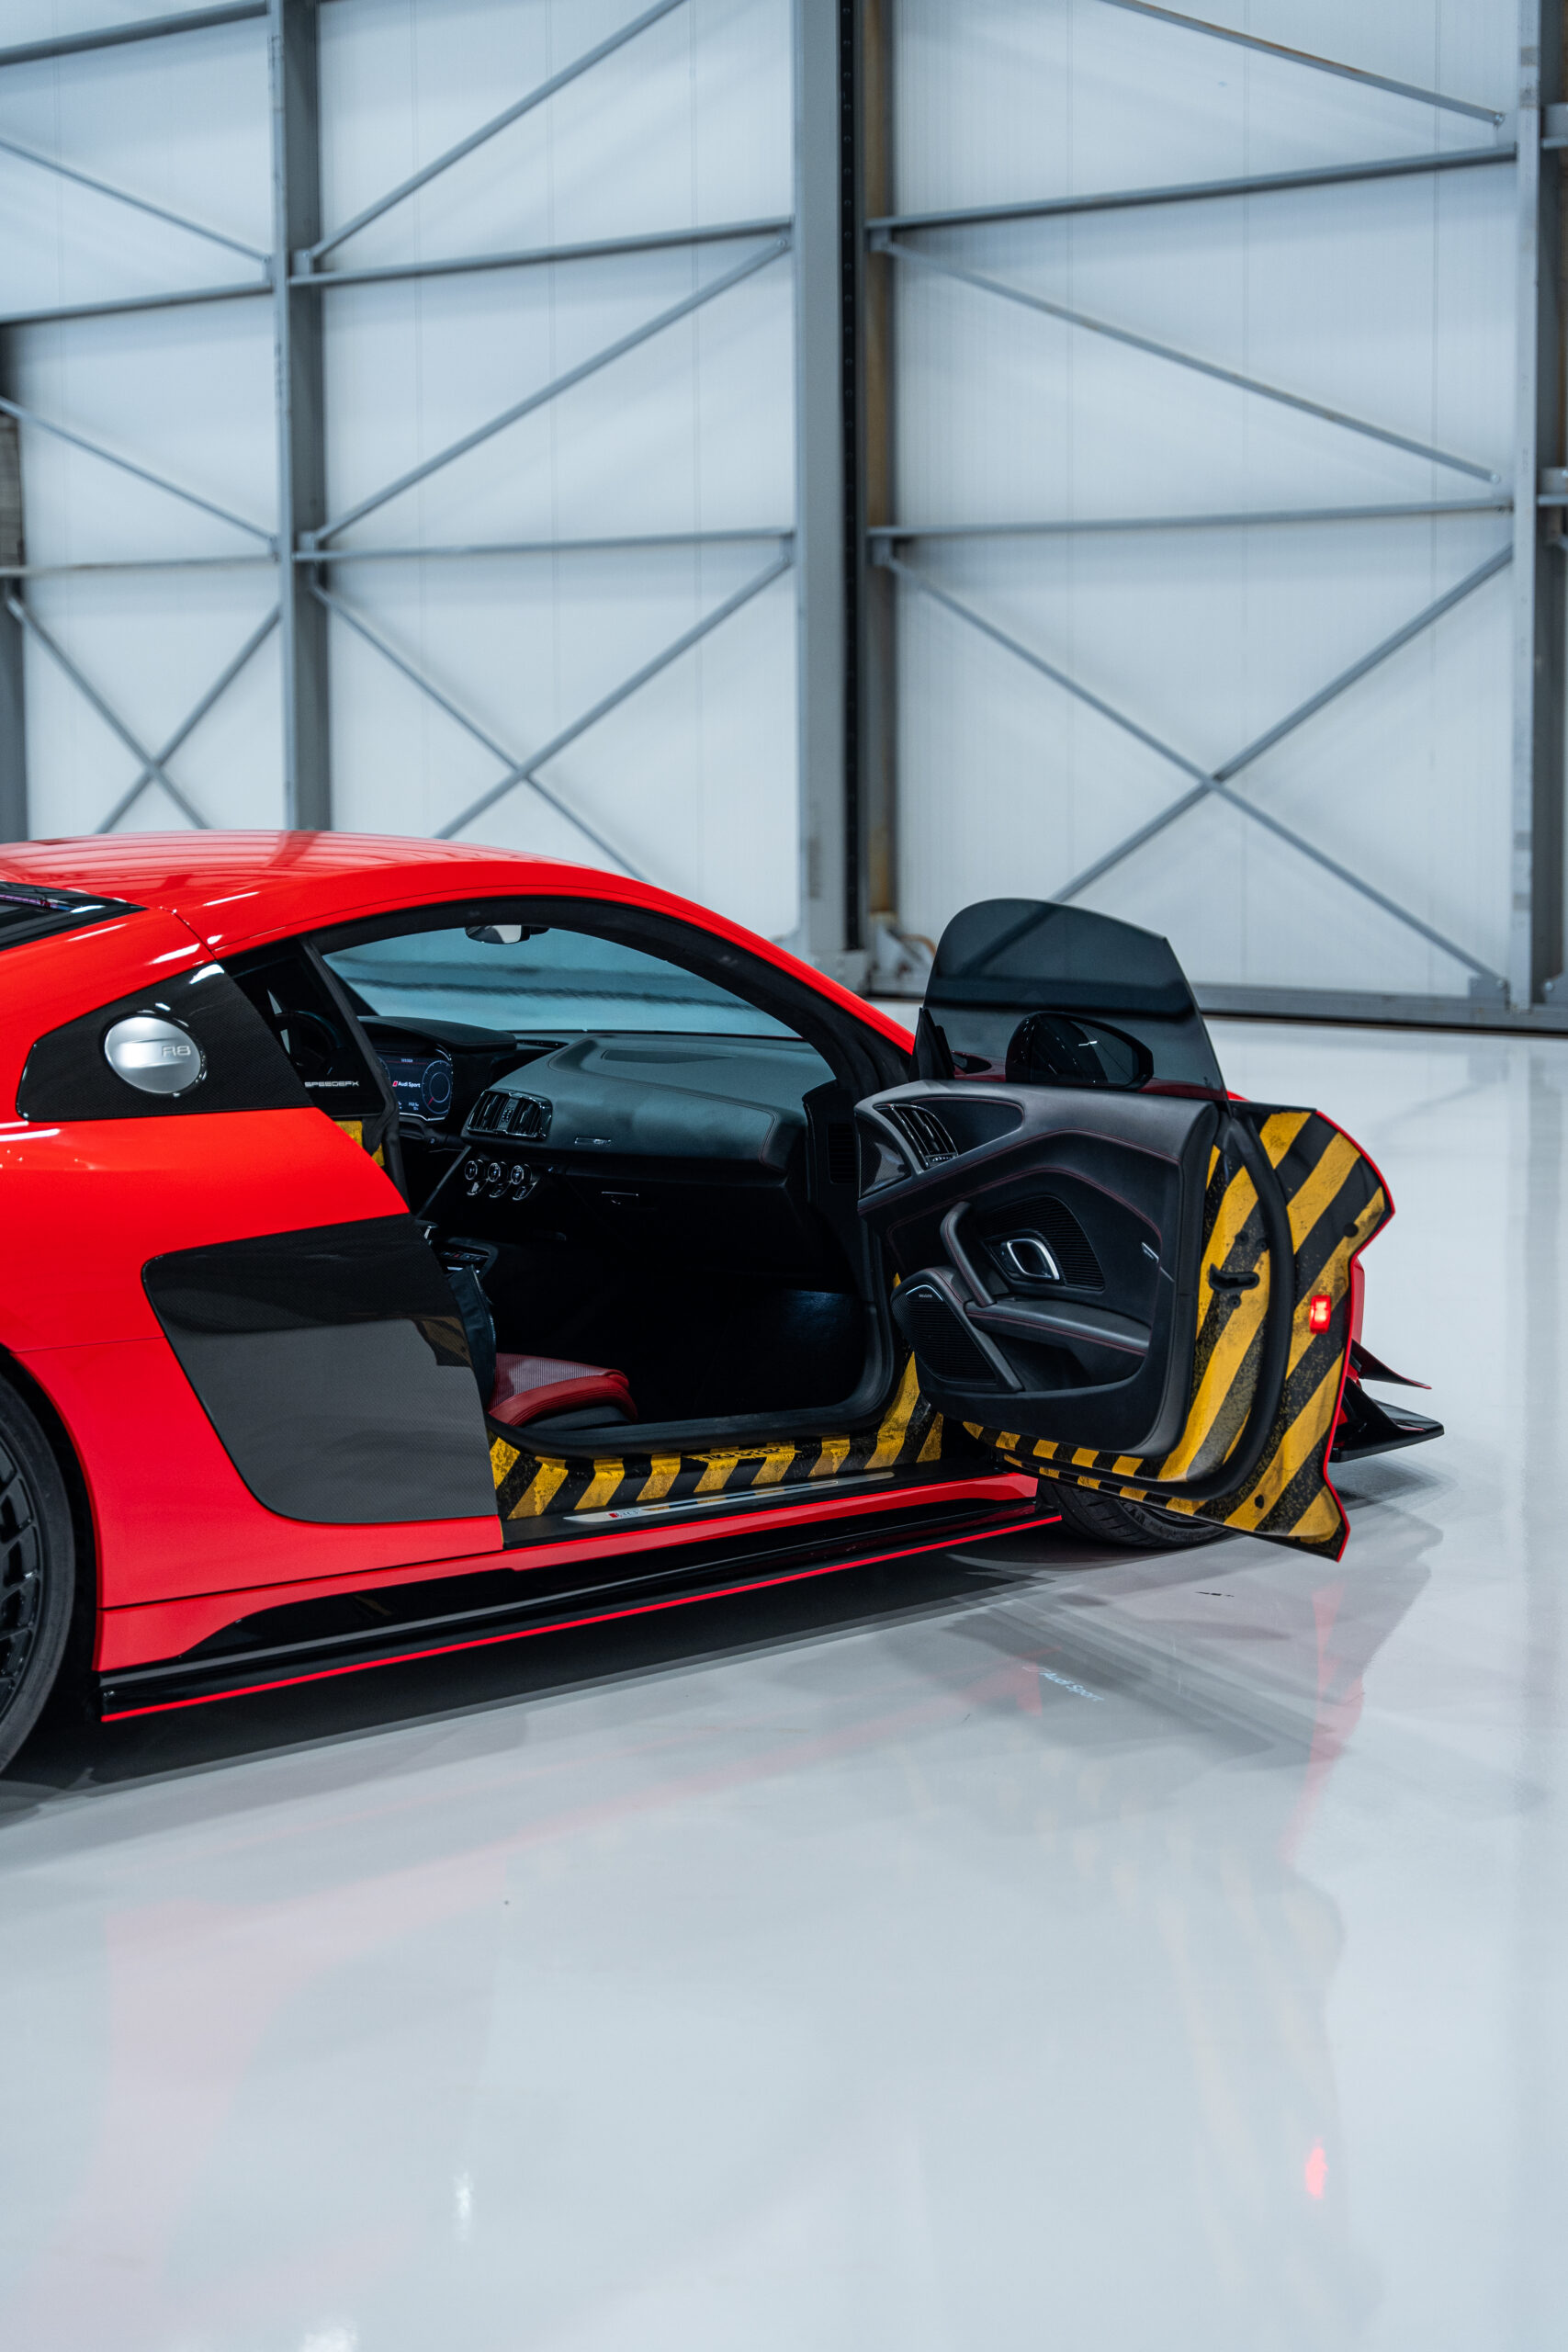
[(1335, 1200)]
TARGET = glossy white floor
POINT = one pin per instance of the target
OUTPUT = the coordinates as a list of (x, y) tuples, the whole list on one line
[(1039, 1950)]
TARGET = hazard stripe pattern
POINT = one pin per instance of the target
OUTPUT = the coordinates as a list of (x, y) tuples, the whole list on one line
[(1336, 1203), (910, 1435)]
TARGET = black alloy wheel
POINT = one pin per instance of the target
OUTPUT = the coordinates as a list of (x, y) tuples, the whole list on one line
[(38, 1571), (1105, 1519)]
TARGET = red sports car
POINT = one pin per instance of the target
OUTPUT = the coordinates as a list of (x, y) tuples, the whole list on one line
[(414, 1247)]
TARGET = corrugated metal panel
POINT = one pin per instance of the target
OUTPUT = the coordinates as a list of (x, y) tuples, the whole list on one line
[(1391, 299), (691, 433)]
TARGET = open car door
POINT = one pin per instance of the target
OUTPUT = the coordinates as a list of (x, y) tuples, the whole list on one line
[(1109, 1271)]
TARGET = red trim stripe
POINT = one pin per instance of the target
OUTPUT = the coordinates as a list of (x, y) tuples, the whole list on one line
[(570, 1625)]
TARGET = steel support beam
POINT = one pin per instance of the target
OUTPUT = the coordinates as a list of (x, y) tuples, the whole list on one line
[(1068, 526), (1374, 1009), (1307, 58), (826, 431), (443, 266), (1126, 199), (189, 20), (631, 544), (301, 409), (877, 631), (651, 241), (14, 824), (1536, 944), (180, 298)]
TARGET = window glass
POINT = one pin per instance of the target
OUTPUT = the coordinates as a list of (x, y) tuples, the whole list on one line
[(552, 982), (298, 1008), (1010, 973)]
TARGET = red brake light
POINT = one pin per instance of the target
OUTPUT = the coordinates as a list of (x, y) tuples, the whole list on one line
[(1320, 1311)]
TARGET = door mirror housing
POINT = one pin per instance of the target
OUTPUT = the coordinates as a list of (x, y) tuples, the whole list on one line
[(1054, 1049)]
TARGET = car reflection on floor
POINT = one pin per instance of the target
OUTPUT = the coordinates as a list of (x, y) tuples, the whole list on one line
[(631, 1970)]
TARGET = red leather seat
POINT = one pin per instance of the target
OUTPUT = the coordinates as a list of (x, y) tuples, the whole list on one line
[(532, 1388)]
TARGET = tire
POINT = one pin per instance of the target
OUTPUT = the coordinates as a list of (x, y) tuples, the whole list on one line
[(38, 1571), (1136, 1526)]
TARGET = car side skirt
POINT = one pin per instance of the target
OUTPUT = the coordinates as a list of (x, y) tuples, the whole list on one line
[(316, 1640), (157, 1632)]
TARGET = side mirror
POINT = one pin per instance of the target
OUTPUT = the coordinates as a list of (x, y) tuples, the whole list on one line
[(1054, 1049)]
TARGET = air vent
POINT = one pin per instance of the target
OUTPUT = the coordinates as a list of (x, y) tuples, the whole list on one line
[(923, 1132), (525, 1118), (841, 1162)]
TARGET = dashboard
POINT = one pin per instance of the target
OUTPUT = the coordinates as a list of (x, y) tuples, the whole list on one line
[(716, 1148)]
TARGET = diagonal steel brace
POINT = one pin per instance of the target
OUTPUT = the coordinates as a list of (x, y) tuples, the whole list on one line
[(527, 770), (546, 392), (191, 721), (1179, 358), (508, 115), (129, 466), (111, 718), (1219, 780), (138, 203)]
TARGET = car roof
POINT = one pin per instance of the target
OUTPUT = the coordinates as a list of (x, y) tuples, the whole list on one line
[(255, 885), (237, 890)]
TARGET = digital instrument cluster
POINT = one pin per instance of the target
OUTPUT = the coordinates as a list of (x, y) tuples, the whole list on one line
[(422, 1085)]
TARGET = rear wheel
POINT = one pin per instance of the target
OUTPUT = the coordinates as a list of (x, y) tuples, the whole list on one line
[(1105, 1519), (38, 1571)]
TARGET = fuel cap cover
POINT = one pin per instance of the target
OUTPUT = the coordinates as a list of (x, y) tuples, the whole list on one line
[(154, 1056)]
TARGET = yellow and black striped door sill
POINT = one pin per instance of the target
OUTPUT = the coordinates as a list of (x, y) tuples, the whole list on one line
[(537, 1491)]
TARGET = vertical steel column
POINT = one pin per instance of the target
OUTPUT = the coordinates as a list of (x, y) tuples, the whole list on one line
[(878, 609), (301, 427), (1535, 940), (823, 382), (13, 728)]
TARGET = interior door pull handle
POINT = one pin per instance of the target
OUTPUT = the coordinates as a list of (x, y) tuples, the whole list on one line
[(1233, 1281), (1029, 1256)]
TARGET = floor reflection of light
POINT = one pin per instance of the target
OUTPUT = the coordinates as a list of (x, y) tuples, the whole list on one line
[(1314, 2172)]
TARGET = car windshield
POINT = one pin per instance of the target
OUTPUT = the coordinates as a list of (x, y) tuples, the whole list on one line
[(553, 980)]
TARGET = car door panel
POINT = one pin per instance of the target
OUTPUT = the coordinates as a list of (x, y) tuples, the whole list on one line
[(1089, 1207), (1335, 1202), (1289, 1203), (1100, 1360)]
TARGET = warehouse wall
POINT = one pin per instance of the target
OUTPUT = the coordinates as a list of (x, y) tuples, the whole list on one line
[(693, 779), (1391, 300)]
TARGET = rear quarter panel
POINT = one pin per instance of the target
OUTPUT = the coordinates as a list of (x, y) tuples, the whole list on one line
[(85, 1204)]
